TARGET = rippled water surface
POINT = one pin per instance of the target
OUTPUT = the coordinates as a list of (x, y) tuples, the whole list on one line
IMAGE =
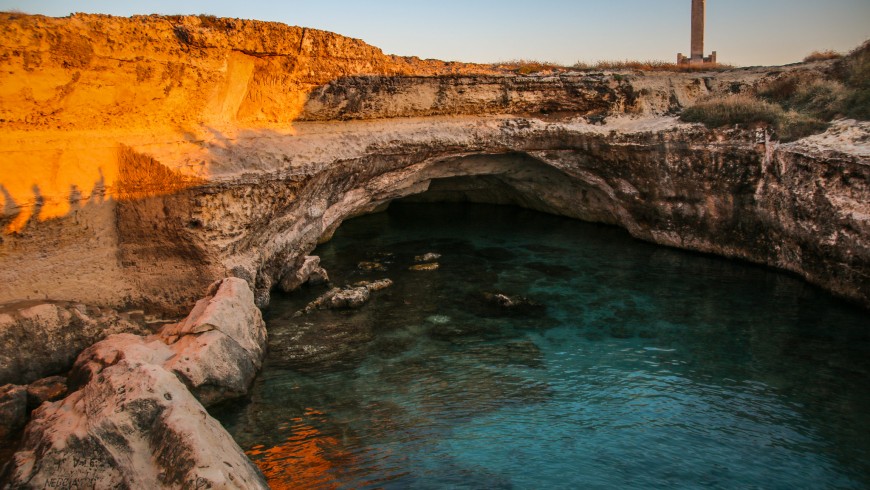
[(631, 366)]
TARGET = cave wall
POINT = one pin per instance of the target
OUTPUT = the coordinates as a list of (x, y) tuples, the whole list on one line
[(734, 194)]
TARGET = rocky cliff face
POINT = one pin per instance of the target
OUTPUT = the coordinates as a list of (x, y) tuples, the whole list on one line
[(135, 417), (732, 193), (162, 153), (145, 158)]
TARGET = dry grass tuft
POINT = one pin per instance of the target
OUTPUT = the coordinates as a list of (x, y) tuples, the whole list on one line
[(797, 104), (214, 22), (856, 76), (733, 109), (650, 65), (745, 110), (528, 67), (825, 55), (844, 92)]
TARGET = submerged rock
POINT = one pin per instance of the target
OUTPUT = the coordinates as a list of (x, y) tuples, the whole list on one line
[(375, 285), (501, 304), (513, 353), (460, 332), (621, 332), (340, 298), (352, 297), (425, 267), (438, 319), (371, 266), (427, 257), (320, 346), (552, 270), (495, 254)]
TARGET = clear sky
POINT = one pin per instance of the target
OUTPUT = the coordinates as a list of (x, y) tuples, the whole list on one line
[(744, 32)]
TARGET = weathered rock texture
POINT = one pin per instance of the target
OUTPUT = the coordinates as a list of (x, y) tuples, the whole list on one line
[(104, 122), (48, 389), (13, 411), (305, 271), (42, 339), (163, 153), (136, 419), (349, 297), (143, 158)]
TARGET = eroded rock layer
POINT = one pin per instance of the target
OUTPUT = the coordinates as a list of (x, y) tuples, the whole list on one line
[(145, 158), (165, 152), (205, 148), (136, 416)]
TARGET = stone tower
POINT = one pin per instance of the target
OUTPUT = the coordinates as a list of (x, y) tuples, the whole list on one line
[(698, 20)]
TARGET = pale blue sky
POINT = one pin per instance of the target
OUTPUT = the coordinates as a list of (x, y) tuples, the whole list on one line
[(744, 32)]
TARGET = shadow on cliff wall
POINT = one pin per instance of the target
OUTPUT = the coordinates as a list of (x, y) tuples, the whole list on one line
[(138, 176), (16, 218), (122, 236)]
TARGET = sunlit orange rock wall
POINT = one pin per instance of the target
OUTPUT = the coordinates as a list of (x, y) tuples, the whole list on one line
[(86, 101), (73, 90), (143, 158)]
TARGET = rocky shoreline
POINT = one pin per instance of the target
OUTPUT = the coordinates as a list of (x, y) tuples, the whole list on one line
[(236, 147), (136, 413)]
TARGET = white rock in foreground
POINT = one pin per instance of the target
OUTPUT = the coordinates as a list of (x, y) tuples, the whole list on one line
[(135, 424)]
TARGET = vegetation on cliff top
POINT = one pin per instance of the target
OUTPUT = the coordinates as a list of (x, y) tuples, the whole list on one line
[(743, 109), (823, 56), (529, 67), (798, 103), (650, 65)]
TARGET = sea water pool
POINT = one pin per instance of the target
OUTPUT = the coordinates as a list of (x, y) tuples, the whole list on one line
[(629, 366)]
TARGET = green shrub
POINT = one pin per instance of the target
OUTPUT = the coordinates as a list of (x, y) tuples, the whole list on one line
[(780, 90), (857, 104)]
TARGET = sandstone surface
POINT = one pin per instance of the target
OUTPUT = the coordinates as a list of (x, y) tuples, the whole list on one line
[(348, 297), (136, 416), (216, 350), (48, 389), (13, 411), (132, 201), (43, 339), (165, 152), (308, 272), (146, 157), (135, 426)]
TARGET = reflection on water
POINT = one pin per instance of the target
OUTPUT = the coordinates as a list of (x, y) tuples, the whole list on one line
[(629, 366), (306, 450)]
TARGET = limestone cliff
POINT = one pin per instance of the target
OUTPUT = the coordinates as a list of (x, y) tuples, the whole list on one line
[(146, 157)]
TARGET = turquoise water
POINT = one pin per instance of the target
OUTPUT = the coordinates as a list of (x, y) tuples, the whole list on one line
[(627, 366)]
